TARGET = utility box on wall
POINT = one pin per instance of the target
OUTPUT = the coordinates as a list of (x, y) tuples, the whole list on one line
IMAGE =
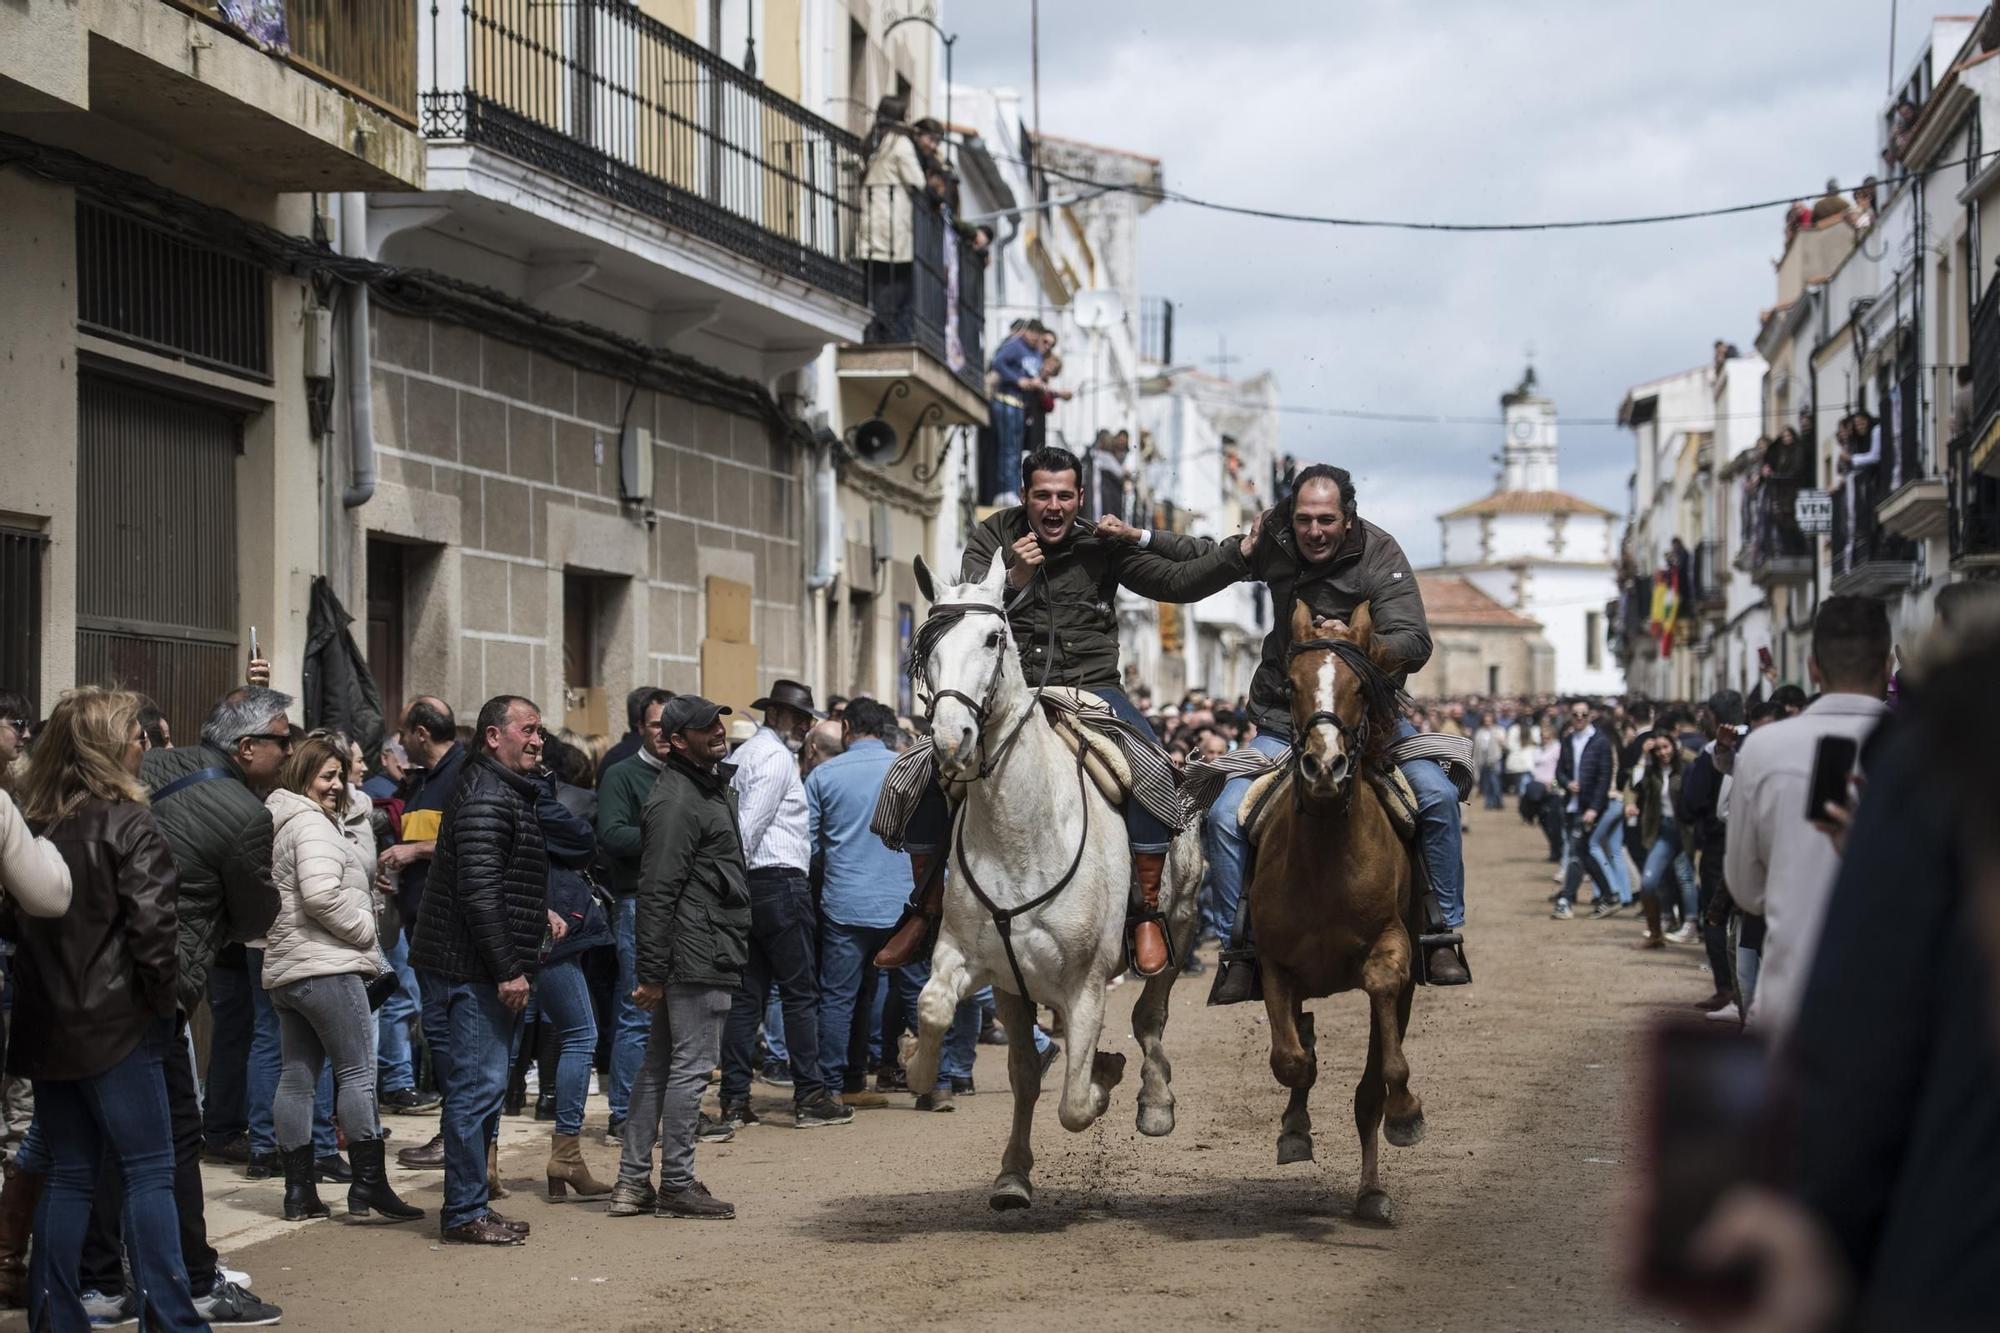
[(728, 657)]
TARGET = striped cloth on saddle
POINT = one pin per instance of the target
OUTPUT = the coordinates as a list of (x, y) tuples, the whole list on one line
[(1176, 797)]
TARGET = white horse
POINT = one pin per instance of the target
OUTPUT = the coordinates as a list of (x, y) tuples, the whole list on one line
[(1032, 826)]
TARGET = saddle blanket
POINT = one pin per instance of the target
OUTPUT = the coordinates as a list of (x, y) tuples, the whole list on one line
[(1398, 799)]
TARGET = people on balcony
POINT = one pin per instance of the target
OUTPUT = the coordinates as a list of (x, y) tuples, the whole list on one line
[(890, 185), (1862, 217), (1830, 205), (1015, 376), (1860, 442)]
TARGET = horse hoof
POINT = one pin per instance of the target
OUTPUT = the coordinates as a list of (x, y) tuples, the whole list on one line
[(1374, 1206), (1404, 1133), (1294, 1148), (1107, 1069), (1156, 1119), (1011, 1192)]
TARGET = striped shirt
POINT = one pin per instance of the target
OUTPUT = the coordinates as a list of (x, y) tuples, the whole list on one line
[(771, 804)]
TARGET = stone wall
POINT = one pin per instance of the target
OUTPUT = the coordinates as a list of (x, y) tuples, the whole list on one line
[(505, 461)]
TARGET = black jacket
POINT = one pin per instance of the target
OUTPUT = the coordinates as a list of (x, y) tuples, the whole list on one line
[(89, 983), (693, 914), (1593, 776), (338, 690), (1696, 807), (220, 835), (571, 840), (1076, 595), (1369, 567), (485, 909)]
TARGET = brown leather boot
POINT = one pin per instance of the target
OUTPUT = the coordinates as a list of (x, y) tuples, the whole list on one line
[(18, 1198), (568, 1171), (1149, 932), (494, 1188), (918, 918)]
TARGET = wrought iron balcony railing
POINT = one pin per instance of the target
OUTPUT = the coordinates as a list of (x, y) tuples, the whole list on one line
[(1868, 559), (1974, 508), (365, 48), (603, 96), (924, 281)]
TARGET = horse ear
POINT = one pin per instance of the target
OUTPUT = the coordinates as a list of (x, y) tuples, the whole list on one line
[(924, 582), (1302, 623), (1362, 623), (996, 573)]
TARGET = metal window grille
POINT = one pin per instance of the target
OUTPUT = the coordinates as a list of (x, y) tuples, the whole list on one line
[(1156, 330), (141, 284), (21, 611)]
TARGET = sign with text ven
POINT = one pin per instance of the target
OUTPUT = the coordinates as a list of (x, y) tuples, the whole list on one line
[(1814, 511)]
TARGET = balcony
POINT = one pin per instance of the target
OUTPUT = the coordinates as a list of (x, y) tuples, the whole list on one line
[(1709, 594), (1974, 510), (320, 97), (604, 98), (922, 360), (1776, 552), (1868, 559)]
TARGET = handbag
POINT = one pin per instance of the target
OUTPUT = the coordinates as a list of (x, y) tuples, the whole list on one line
[(381, 986)]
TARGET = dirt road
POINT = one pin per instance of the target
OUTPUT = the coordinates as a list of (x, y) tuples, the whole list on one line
[(1508, 1212)]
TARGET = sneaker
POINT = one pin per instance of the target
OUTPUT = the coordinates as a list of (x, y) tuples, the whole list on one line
[(109, 1311), (821, 1110), (777, 1073), (224, 1273), (961, 1085), (235, 1150), (1726, 1014), (408, 1101), (694, 1203), (738, 1115), (1686, 933), (707, 1129), (230, 1306), (941, 1100), (629, 1198), (615, 1131), (1606, 907), (1562, 912)]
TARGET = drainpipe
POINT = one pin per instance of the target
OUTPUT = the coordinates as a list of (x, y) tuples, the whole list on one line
[(360, 387), (826, 547)]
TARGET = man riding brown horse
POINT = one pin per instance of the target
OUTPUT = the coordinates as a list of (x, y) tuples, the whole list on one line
[(1063, 577)]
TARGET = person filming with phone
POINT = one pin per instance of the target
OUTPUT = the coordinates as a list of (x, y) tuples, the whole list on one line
[(1778, 863)]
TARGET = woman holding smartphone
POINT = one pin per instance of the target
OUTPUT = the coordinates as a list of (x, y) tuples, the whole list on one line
[(1656, 785), (318, 956)]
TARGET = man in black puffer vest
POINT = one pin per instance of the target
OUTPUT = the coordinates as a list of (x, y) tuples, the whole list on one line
[(481, 929)]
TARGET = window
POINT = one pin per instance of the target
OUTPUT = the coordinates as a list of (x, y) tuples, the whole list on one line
[(1492, 681), (21, 611), (1593, 640)]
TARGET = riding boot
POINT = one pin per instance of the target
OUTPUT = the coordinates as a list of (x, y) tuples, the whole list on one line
[(1237, 978), (301, 1193), (920, 915), (18, 1198), (370, 1194), (1148, 946)]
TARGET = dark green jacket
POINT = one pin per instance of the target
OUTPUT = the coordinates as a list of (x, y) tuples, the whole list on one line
[(621, 808), (1077, 592), (219, 833), (1368, 567), (693, 916)]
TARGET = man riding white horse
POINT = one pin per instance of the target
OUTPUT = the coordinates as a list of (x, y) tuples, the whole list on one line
[(1063, 577), (1316, 548)]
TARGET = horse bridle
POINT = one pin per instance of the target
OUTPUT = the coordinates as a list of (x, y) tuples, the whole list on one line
[(989, 759), (1354, 739)]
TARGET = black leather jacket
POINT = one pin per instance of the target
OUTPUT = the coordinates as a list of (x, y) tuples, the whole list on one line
[(485, 906)]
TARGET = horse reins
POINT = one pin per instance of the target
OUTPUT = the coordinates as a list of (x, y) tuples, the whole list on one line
[(1378, 693)]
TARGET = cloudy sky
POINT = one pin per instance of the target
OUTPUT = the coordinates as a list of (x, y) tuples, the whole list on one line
[(1460, 110)]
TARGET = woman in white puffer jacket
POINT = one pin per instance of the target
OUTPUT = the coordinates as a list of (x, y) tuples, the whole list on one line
[(318, 956)]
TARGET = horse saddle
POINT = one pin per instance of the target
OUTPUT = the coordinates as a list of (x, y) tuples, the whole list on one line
[(1398, 799), (1102, 758)]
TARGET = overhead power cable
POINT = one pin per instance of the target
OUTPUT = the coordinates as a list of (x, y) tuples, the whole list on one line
[(1164, 195)]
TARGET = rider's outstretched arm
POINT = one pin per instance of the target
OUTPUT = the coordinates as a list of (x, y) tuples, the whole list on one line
[(1153, 574)]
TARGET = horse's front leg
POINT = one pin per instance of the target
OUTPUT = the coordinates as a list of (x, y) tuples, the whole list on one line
[(1012, 1188), (1149, 1015), (936, 1006), (1088, 1077)]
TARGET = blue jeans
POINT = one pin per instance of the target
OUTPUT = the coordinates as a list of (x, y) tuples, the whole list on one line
[(1581, 862), (1438, 830), (628, 1038), (847, 986), (395, 1067), (123, 1112), (774, 1027), (482, 1032), (267, 1065), (1222, 844), (782, 950), (1667, 852), (434, 995), (961, 1042), (563, 996), (1010, 440), (1607, 848), (1490, 778), (232, 1020), (983, 998)]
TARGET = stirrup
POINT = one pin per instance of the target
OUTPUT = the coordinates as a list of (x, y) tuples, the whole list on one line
[(1238, 977), (1133, 920), (1421, 969)]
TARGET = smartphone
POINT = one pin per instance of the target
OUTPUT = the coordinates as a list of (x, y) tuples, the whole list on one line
[(1710, 1123), (1763, 659), (255, 653), (1833, 766)]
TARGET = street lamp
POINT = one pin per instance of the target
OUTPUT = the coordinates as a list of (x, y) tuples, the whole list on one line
[(949, 40)]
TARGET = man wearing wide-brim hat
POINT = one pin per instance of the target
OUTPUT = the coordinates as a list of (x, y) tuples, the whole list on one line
[(784, 935)]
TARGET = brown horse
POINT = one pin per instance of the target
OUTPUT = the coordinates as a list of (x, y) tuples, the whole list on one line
[(1333, 891)]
